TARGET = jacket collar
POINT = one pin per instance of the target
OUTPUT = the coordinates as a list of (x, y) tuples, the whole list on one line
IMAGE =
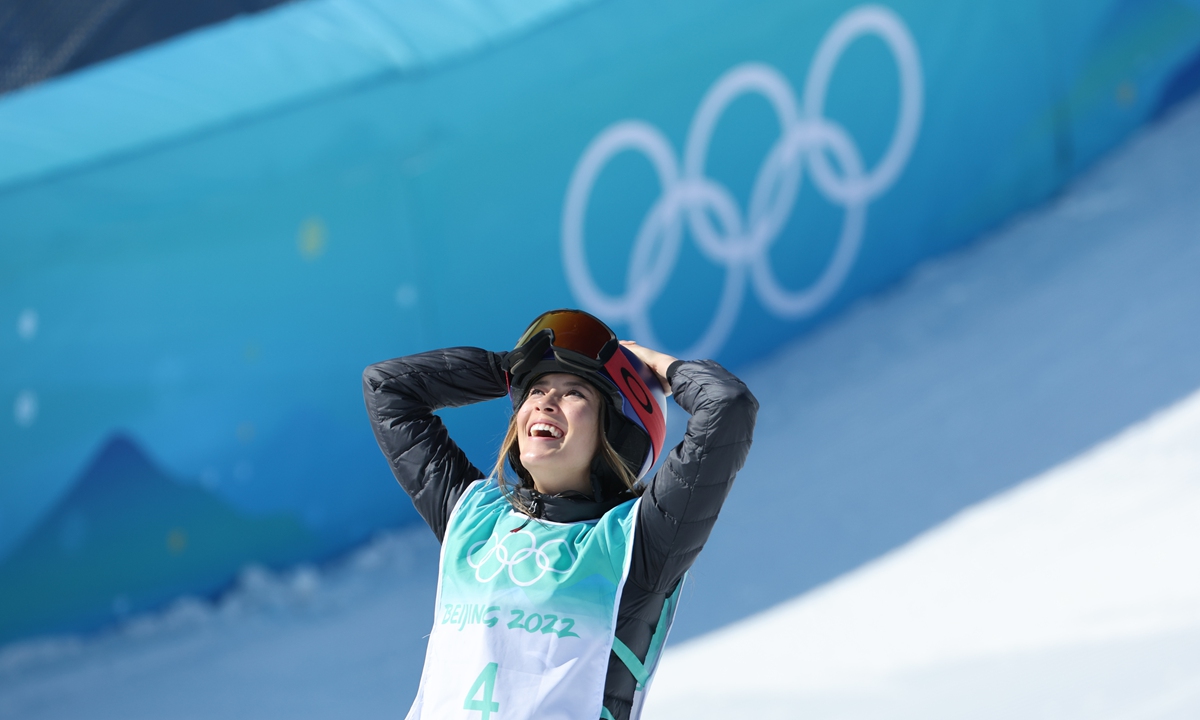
[(569, 506)]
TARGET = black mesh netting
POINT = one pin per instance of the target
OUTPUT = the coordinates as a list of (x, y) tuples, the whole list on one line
[(43, 38)]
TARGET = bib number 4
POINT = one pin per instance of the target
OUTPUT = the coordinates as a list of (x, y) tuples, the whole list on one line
[(484, 685)]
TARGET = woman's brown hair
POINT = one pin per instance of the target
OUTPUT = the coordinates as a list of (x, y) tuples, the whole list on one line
[(510, 455)]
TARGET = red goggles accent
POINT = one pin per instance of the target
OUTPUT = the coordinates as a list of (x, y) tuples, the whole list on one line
[(635, 386)]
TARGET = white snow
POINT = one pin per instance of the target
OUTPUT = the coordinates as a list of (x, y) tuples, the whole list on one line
[(1074, 594), (344, 641)]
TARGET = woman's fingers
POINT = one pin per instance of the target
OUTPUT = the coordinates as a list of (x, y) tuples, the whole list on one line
[(658, 362)]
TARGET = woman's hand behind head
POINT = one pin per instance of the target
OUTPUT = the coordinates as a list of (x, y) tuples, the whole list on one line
[(658, 362)]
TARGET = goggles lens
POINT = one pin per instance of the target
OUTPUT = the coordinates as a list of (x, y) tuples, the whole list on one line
[(575, 331)]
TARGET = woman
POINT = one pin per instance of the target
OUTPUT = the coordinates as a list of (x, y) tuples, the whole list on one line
[(557, 587)]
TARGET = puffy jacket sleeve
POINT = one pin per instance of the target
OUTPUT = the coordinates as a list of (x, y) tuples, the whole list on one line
[(401, 397), (679, 508)]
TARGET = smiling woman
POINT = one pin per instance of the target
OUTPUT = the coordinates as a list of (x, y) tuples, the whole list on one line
[(565, 616), (557, 431)]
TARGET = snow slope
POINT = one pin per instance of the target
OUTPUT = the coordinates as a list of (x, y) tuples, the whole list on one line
[(1072, 594), (1075, 595), (347, 641)]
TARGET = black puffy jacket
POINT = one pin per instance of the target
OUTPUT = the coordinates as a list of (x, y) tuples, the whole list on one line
[(678, 508)]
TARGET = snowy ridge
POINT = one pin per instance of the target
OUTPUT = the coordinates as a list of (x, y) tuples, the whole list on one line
[(1095, 555), (365, 615)]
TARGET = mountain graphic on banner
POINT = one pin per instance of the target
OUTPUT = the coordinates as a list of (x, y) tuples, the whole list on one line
[(128, 537)]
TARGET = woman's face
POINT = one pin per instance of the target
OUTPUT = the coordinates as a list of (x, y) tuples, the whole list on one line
[(558, 431)]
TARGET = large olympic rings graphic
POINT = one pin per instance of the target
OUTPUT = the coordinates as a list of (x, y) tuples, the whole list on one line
[(740, 241), (486, 570)]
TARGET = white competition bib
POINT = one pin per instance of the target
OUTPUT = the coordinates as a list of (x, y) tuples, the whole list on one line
[(526, 613)]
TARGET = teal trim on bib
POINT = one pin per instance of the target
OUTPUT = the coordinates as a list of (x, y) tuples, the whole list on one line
[(631, 661), (642, 672), (665, 619)]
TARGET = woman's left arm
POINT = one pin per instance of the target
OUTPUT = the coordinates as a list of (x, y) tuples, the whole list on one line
[(680, 506)]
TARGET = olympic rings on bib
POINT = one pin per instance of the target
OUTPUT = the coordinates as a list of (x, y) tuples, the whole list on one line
[(499, 558), (740, 241)]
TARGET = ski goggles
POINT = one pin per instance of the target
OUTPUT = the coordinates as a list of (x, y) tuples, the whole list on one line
[(576, 338)]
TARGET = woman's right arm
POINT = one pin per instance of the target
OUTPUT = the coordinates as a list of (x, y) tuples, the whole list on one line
[(401, 395)]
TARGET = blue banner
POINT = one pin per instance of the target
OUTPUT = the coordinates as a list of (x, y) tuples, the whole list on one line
[(206, 242)]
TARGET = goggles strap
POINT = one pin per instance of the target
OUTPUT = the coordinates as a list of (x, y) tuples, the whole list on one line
[(522, 360), (524, 357)]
